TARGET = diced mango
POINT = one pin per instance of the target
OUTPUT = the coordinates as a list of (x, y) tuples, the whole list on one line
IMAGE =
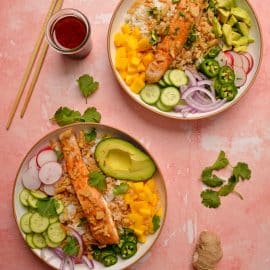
[(139, 204), (145, 211), (143, 45), (135, 61), (136, 32), (126, 29), (129, 79), (121, 52), (142, 238), (139, 186), (132, 43), (141, 67), (123, 74), (148, 58), (142, 76), (138, 232), (121, 64), (151, 184), (159, 212), (131, 69), (119, 40)]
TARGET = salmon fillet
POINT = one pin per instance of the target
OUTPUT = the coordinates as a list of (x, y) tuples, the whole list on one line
[(173, 43), (93, 204)]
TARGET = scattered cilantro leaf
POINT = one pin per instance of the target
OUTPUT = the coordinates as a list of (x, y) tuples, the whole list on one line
[(175, 1), (65, 116), (181, 14), (71, 247), (156, 222), (47, 208), (221, 162), (87, 85), (90, 135), (59, 155), (121, 189), (83, 221), (192, 37), (241, 170), (155, 39), (97, 180), (229, 187), (210, 198), (207, 172), (213, 181)]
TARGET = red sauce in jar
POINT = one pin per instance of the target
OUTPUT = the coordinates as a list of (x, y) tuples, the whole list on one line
[(70, 32)]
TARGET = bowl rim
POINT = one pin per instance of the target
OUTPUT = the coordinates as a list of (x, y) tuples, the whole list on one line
[(164, 114), (85, 124)]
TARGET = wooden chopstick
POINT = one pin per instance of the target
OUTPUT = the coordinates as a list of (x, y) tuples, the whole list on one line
[(30, 64)]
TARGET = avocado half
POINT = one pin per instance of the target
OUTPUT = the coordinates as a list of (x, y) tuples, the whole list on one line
[(122, 160)]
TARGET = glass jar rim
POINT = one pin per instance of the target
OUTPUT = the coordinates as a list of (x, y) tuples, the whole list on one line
[(62, 14)]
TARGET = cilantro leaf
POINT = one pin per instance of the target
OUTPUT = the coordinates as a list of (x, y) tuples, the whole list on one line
[(59, 155), (221, 161), (228, 188), (65, 116), (121, 189), (210, 198), (47, 208), (241, 170), (90, 135), (156, 222), (71, 247), (213, 181), (83, 221), (97, 180), (91, 115), (87, 85)]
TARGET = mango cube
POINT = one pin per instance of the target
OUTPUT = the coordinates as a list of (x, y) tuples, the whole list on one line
[(129, 79), (135, 61), (143, 45), (119, 40), (121, 52), (132, 43), (126, 29), (121, 63), (136, 32), (141, 67), (148, 58), (131, 69)]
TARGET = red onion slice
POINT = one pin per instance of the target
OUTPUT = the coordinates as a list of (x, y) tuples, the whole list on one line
[(89, 263), (192, 79), (205, 108), (201, 89), (78, 237)]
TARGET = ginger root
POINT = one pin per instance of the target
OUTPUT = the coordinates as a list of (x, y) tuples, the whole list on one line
[(208, 252)]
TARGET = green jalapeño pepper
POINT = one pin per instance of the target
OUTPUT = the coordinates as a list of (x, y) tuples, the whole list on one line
[(97, 254), (128, 250), (131, 238), (210, 68), (217, 86), (213, 52), (226, 75), (228, 91), (109, 260)]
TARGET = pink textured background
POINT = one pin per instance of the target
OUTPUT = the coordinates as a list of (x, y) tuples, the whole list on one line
[(182, 149)]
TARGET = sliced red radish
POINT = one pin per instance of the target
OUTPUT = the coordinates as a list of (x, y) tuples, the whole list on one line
[(48, 189), (222, 59), (240, 76), (245, 63), (50, 172), (229, 58), (33, 163), (44, 156), (237, 59), (30, 179), (250, 59)]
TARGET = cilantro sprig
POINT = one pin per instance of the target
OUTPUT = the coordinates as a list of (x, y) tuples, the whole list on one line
[(156, 223), (97, 179), (121, 189), (90, 135), (65, 116), (47, 208), (71, 247), (87, 85), (211, 198)]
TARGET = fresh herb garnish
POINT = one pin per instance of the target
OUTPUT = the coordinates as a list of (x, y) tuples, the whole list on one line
[(192, 36), (71, 247), (97, 179), (166, 31), (87, 85), (156, 222), (210, 198), (121, 189), (182, 14), (59, 154), (83, 221), (213, 181), (47, 208), (175, 1), (242, 171), (90, 135), (221, 161), (155, 39), (153, 11), (176, 30), (65, 116), (229, 187)]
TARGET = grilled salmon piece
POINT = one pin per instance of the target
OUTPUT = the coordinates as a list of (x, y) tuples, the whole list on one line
[(173, 43), (93, 204)]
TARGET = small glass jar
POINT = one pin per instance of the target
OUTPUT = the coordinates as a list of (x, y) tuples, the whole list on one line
[(62, 21)]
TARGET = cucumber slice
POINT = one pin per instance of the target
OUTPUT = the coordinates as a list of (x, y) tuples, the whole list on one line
[(170, 96), (59, 207), (150, 94), (24, 194), (53, 220), (32, 201), (56, 233), (162, 83), (38, 194), (166, 78), (178, 77), (29, 241), (163, 108), (50, 243), (25, 223), (39, 241), (38, 223)]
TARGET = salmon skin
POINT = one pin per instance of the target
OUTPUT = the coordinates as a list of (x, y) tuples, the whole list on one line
[(173, 43), (93, 204)]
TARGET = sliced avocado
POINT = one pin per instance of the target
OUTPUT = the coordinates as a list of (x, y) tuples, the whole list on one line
[(217, 27), (232, 21), (227, 33), (240, 49), (243, 28), (122, 160), (251, 40), (242, 41), (223, 15), (235, 35), (225, 47), (241, 15), (227, 4)]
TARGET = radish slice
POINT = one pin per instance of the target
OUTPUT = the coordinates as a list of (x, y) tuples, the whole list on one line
[(222, 59), (45, 156), (250, 59), (237, 59), (30, 179), (49, 189), (33, 163), (229, 58), (50, 172), (245, 63), (240, 76)]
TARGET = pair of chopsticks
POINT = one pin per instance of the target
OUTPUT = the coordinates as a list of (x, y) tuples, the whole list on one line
[(55, 6)]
